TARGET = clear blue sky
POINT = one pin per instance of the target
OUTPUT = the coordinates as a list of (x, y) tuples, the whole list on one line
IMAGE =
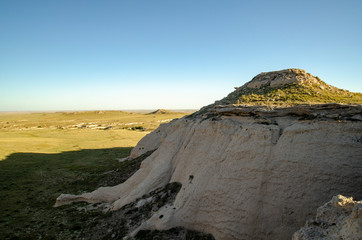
[(143, 54)]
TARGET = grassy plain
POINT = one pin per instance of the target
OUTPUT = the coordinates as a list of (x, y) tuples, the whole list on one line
[(69, 131), (46, 154)]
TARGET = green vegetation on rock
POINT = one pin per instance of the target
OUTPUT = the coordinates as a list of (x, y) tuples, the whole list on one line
[(288, 88), (177, 233), (117, 224), (294, 94), (285, 88)]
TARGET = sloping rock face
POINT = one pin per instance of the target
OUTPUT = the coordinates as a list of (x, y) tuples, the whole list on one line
[(280, 78), (286, 88), (246, 172), (340, 218)]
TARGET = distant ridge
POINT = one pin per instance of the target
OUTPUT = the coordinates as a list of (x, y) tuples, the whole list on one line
[(162, 111)]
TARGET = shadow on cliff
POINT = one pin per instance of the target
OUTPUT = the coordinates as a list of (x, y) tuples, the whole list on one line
[(30, 183)]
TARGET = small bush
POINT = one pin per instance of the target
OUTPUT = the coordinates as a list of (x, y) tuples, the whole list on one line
[(141, 128)]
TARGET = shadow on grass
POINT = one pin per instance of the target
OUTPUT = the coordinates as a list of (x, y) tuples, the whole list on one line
[(30, 183)]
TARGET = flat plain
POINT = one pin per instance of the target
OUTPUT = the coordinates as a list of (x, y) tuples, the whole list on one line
[(45, 154), (66, 131)]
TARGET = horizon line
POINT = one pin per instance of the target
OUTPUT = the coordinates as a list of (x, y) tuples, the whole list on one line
[(94, 110)]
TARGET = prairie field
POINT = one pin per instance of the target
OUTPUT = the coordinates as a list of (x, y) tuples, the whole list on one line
[(67, 131), (46, 154)]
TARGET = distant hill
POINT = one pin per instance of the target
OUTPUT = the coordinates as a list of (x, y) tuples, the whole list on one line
[(163, 111), (287, 88)]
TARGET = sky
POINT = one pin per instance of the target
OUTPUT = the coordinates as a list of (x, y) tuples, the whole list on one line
[(173, 54)]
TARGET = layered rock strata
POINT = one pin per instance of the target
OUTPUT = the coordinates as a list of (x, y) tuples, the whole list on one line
[(246, 172)]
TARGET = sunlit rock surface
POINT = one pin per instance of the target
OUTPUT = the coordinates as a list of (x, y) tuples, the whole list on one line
[(247, 172)]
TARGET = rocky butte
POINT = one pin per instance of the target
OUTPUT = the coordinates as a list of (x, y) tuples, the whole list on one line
[(254, 165)]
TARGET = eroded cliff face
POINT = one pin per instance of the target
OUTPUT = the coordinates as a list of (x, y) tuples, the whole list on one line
[(247, 172), (244, 176)]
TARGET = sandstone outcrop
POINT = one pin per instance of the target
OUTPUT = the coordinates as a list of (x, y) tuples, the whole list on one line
[(340, 218), (287, 88), (280, 78), (247, 172)]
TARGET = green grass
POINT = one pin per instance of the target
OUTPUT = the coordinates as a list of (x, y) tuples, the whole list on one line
[(92, 119), (65, 131), (30, 183), (56, 141), (43, 155), (293, 94)]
